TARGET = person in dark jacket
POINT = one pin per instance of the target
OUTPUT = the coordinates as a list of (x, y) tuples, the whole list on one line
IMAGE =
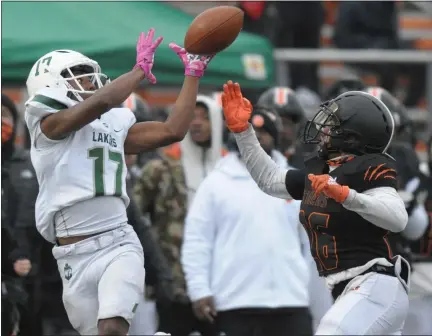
[(158, 273), (143, 113), (300, 27), (375, 25), (15, 258)]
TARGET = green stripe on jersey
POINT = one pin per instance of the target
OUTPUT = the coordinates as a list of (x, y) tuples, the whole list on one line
[(54, 104)]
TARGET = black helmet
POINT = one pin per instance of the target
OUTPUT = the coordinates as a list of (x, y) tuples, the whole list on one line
[(343, 85), (355, 122), (284, 101), (139, 107), (400, 115)]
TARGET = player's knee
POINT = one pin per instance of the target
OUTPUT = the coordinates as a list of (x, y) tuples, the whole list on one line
[(116, 326)]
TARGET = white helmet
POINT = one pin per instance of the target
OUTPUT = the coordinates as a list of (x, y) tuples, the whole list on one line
[(54, 70)]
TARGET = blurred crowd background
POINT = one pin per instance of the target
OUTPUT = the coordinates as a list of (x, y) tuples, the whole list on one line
[(158, 181)]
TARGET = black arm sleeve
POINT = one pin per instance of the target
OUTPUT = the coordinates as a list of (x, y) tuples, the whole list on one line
[(295, 183)]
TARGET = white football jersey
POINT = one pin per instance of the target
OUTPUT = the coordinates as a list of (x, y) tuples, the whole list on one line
[(88, 163)]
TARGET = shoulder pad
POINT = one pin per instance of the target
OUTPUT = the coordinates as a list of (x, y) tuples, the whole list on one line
[(364, 162), (55, 99), (47, 101), (123, 116), (371, 171)]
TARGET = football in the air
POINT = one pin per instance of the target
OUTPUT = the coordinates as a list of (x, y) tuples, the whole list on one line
[(214, 30)]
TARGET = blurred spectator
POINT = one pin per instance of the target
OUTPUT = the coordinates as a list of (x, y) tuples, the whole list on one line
[(375, 25), (261, 17), (161, 113), (15, 258), (409, 177), (300, 27), (309, 101), (343, 85), (165, 188), (143, 113), (283, 101), (242, 257), (44, 313), (401, 148), (158, 273), (217, 96), (14, 264), (418, 321)]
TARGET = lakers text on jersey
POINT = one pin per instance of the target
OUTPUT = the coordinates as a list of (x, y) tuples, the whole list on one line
[(86, 164)]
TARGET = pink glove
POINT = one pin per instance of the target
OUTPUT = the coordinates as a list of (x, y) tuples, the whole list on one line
[(194, 64), (146, 49)]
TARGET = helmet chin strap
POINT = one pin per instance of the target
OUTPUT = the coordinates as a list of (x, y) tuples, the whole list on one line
[(336, 148), (324, 152)]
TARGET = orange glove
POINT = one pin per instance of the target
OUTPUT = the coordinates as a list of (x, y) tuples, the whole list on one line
[(237, 110), (6, 130), (327, 184)]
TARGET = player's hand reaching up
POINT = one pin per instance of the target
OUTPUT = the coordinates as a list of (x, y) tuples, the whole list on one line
[(195, 65), (236, 108), (146, 49), (327, 185)]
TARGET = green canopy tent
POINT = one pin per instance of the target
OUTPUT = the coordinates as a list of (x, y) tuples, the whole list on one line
[(108, 31)]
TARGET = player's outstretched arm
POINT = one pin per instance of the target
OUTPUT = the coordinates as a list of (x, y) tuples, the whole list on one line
[(58, 125), (267, 174), (146, 136)]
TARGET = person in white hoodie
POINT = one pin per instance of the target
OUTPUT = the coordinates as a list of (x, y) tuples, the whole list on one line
[(242, 252), (164, 190)]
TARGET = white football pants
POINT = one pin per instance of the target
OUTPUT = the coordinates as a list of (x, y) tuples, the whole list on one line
[(103, 277), (371, 304), (145, 319)]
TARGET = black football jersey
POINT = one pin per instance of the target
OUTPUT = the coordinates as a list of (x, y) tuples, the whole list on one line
[(341, 239)]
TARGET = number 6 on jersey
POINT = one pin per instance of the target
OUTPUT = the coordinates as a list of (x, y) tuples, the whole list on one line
[(98, 156)]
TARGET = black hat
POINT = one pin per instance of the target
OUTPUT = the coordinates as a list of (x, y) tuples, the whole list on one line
[(268, 120)]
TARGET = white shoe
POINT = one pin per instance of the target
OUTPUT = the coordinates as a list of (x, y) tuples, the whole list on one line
[(161, 333)]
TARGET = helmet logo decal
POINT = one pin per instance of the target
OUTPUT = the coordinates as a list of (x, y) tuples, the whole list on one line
[(281, 96), (47, 61)]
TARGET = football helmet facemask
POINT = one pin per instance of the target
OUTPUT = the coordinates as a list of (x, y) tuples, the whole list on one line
[(63, 69), (355, 122)]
